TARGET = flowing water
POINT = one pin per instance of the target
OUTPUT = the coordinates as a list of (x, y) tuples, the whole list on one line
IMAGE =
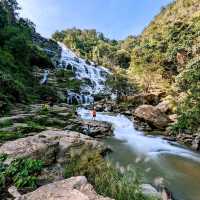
[(45, 77), (94, 76), (153, 156)]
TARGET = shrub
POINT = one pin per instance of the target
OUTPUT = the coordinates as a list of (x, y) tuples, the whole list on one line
[(188, 82), (6, 123), (21, 131), (22, 172), (107, 180)]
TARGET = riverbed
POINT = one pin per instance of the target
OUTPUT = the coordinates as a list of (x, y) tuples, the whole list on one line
[(153, 157)]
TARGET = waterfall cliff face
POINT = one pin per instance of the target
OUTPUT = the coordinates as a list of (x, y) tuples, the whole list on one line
[(94, 76)]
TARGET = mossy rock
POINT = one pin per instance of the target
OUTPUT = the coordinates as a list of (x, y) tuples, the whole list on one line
[(6, 136), (5, 123), (19, 130)]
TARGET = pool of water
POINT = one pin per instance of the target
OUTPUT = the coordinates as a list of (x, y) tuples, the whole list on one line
[(153, 156)]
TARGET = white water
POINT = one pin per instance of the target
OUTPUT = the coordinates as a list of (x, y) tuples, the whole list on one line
[(149, 146), (153, 156), (45, 77), (123, 127), (94, 75)]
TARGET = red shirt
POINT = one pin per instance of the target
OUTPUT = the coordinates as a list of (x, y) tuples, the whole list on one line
[(94, 113)]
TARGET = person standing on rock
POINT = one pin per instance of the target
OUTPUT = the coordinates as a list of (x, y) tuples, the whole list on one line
[(94, 113)]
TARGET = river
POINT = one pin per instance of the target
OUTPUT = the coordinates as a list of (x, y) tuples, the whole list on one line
[(153, 156)]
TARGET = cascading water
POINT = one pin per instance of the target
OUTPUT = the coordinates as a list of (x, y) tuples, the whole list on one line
[(144, 145), (74, 98), (45, 77), (93, 76), (153, 156)]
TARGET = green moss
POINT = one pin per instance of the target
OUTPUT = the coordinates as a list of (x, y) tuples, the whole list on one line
[(21, 131), (6, 136), (6, 123), (31, 127)]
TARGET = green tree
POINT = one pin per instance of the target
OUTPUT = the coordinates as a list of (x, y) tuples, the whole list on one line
[(119, 83), (18, 54), (188, 82), (94, 46)]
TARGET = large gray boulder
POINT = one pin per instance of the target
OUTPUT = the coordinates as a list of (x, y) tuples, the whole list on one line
[(75, 188), (152, 116), (196, 143), (50, 146), (149, 191), (163, 106), (92, 128)]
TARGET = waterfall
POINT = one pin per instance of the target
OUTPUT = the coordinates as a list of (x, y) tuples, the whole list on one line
[(74, 98), (94, 75), (45, 77)]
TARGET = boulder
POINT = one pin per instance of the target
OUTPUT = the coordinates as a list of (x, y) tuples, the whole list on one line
[(50, 146), (105, 105), (14, 192), (196, 143), (142, 126), (163, 106), (97, 129), (92, 128), (61, 108), (173, 118), (152, 115), (186, 139), (149, 191), (53, 121), (75, 188)]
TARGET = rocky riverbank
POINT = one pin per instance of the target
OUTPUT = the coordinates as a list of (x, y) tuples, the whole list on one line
[(53, 136), (50, 135), (151, 113)]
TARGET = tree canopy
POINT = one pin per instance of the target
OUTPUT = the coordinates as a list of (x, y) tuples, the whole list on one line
[(94, 46)]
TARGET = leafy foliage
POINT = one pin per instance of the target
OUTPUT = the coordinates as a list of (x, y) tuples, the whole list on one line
[(120, 84), (21, 172), (166, 59), (161, 42), (17, 56), (94, 46), (106, 179), (20, 132), (188, 82)]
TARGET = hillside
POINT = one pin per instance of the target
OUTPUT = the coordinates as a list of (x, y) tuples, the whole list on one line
[(167, 59), (92, 45), (68, 102), (19, 56)]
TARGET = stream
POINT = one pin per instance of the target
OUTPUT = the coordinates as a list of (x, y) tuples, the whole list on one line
[(152, 156)]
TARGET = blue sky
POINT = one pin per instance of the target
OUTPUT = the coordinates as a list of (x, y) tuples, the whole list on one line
[(115, 18)]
